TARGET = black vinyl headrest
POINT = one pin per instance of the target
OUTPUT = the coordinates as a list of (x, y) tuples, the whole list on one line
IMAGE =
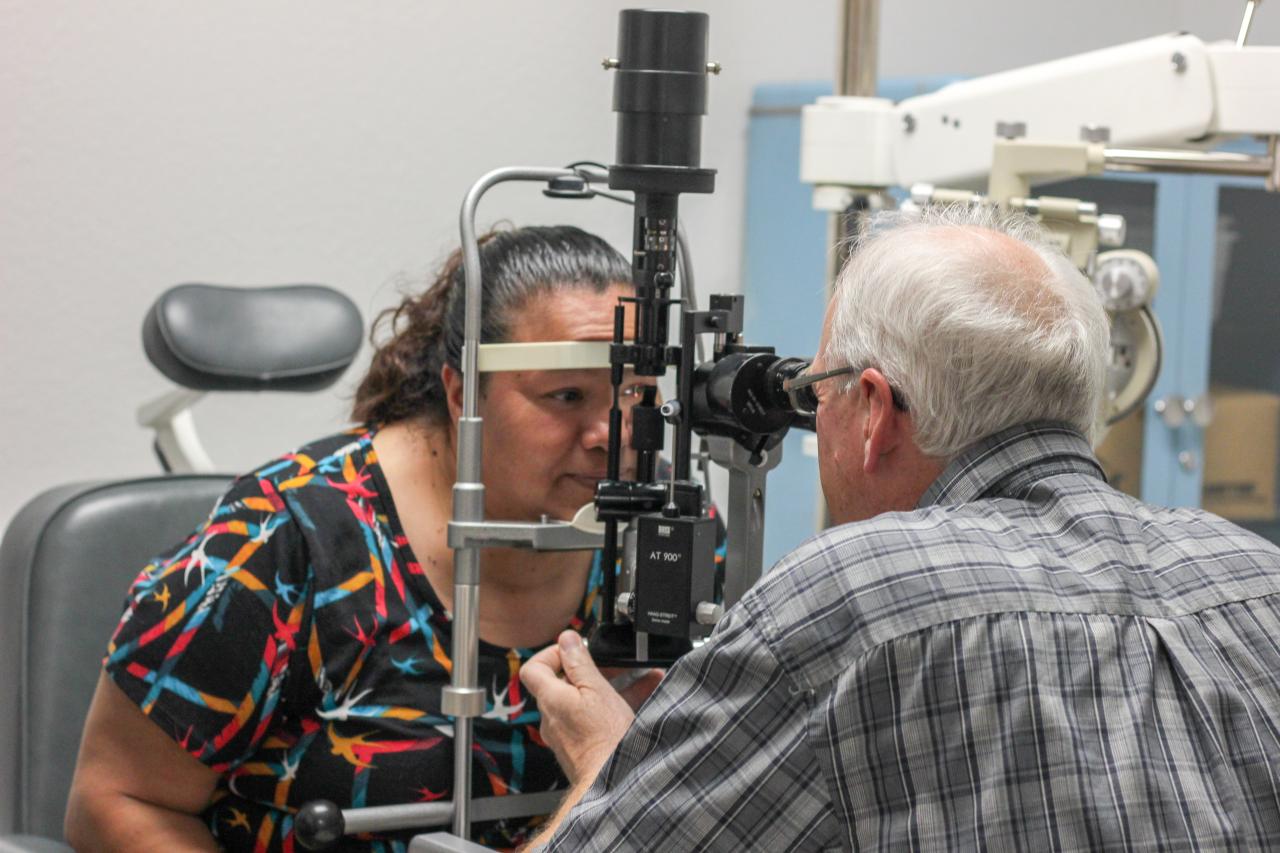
[(296, 337)]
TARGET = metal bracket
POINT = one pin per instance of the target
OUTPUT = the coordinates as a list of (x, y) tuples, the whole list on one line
[(744, 557), (462, 701), (543, 355), (540, 536), (176, 439)]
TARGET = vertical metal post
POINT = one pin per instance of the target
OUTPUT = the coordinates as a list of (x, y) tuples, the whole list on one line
[(856, 61), (464, 699), (859, 31), (856, 77), (744, 558)]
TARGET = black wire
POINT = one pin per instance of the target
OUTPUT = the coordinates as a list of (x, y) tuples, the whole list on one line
[(612, 196)]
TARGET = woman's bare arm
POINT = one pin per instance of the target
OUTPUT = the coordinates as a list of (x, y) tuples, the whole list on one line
[(134, 788)]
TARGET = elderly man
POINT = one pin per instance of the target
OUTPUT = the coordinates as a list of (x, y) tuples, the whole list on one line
[(992, 647)]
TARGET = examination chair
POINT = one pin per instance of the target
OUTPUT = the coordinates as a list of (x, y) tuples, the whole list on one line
[(69, 555)]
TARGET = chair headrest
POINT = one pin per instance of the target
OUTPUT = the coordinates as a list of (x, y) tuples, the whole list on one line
[(297, 337)]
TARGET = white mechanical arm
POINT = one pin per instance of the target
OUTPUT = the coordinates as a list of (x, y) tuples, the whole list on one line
[(1173, 91), (1098, 111)]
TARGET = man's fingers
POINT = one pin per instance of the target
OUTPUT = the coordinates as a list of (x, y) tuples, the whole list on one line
[(542, 671), (550, 657), (579, 668)]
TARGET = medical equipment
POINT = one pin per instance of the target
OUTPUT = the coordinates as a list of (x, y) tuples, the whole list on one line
[(1011, 130), (852, 155), (660, 96), (664, 596)]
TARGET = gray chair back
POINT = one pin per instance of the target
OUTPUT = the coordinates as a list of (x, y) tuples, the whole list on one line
[(66, 561)]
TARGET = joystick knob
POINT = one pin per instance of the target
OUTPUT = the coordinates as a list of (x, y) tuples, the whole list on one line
[(319, 825)]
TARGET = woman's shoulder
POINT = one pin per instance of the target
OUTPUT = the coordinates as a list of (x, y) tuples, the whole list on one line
[(349, 449), (338, 465)]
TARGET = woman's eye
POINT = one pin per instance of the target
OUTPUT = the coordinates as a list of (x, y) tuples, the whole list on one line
[(567, 395), (633, 391)]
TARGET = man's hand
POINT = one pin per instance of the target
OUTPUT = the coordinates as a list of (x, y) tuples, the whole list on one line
[(583, 717)]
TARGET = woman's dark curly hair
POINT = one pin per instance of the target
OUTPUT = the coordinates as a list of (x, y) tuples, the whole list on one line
[(426, 331)]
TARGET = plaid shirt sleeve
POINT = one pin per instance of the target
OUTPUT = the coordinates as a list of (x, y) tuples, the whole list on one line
[(718, 759), (1028, 661)]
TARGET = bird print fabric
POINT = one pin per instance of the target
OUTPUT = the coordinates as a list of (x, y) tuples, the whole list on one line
[(293, 644)]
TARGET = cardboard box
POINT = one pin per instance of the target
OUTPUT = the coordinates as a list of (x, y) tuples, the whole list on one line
[(1121, 454), (1240, 455)]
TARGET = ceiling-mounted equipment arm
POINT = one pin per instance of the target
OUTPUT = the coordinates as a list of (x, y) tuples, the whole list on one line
[(1171, 91)]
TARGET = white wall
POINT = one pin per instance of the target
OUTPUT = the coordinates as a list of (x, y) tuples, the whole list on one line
[(145, 143)]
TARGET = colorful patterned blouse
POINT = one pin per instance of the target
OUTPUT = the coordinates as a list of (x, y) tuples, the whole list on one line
[(293, 644)]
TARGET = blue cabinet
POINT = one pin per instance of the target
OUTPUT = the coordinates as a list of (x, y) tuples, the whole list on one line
[(1214, 239)]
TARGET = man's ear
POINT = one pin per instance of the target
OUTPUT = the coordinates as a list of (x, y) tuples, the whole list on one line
[(452, 381), (883, 429)]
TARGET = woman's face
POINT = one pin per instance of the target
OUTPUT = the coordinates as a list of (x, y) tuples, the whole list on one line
[(546, 432)]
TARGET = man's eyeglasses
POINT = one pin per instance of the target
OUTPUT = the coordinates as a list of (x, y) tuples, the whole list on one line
[(804, 397)]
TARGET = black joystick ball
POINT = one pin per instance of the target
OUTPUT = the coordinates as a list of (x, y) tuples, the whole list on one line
[(318, 825)]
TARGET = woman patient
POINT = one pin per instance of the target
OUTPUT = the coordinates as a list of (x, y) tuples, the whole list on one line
[(296, 645)]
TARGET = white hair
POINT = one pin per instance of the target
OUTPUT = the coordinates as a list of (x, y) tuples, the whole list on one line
[(976, 333)]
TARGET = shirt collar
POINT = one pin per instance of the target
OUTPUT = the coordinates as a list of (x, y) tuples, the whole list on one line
[(1006, 461)]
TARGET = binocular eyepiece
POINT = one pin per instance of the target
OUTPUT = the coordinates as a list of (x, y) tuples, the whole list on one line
[(743, 395)]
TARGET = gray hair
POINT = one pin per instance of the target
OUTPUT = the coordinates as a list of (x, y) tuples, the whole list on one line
[(976, 334)]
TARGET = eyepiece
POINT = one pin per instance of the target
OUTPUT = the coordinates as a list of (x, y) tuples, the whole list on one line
[(803, 400), (742, 394)]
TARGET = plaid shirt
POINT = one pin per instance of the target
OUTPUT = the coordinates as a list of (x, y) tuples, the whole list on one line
[(1028, 661)]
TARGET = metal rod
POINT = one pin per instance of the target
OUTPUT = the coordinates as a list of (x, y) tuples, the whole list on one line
[(1249, 9), (471, 268), (859, 27), (1197, 162), (613, 464), (684, 396), (463, 698), (855, 75), (466, 630), (613, 468), (414, 815), (464, 671), (609, 572), (688, 290)]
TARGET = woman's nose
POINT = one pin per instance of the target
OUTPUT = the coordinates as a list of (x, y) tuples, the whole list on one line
[(596, 431)]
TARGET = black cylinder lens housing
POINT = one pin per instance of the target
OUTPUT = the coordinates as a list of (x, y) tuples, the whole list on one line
[(660, 91)]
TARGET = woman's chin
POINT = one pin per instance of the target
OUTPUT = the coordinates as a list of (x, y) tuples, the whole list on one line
[(576, 486), (572, 497)]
